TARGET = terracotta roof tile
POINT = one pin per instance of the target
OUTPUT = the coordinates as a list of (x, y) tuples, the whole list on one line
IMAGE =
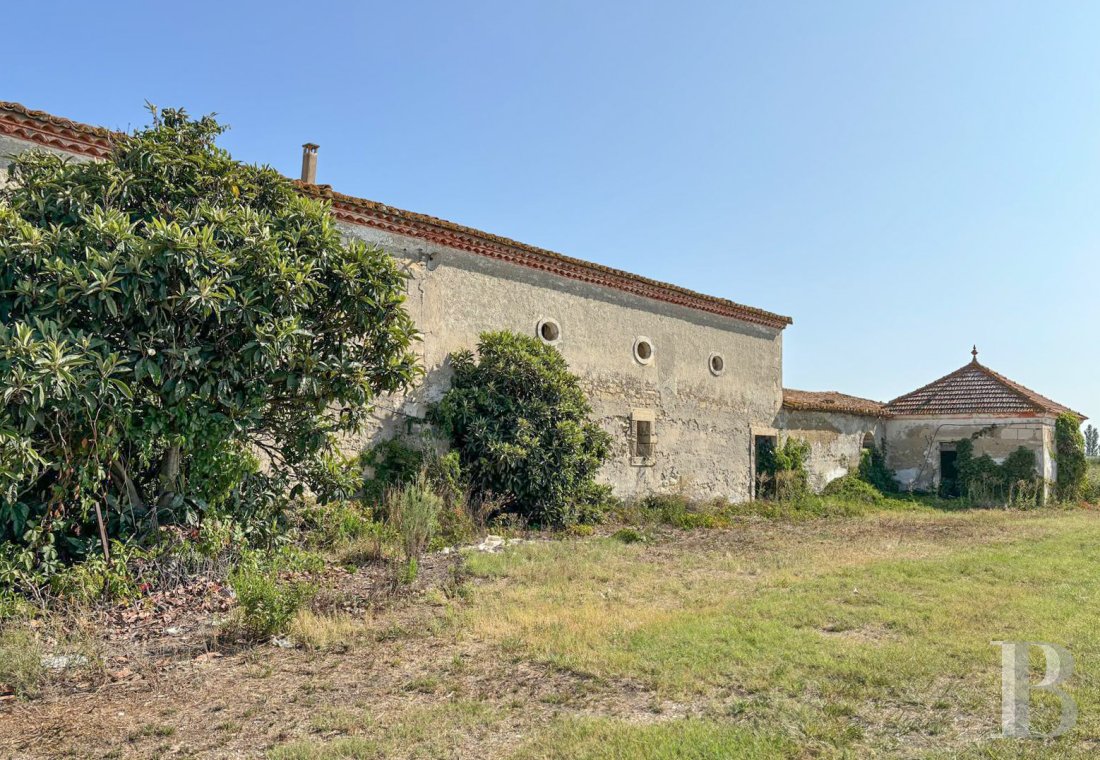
[(63, 134), (53, 131), (831, 401), (975, 389)]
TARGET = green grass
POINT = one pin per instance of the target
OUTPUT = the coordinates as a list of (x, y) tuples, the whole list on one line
[(843, 646), (843, 637), (596, 739)]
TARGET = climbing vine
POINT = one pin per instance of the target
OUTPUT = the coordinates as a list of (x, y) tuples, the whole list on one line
[(983, 480), (1069, 446)]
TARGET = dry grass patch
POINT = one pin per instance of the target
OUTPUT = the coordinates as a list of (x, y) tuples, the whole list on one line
[(326, 630)]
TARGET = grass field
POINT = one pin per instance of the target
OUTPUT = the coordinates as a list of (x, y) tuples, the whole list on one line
[(841, 637)]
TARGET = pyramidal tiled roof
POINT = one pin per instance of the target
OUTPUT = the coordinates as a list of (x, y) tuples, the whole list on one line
[(975, 389)]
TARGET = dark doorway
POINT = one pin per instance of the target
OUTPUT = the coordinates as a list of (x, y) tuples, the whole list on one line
[(949, 473), (764, 465)]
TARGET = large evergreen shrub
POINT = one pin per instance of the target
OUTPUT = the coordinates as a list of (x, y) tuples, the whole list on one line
[(521, 424), (165, 313)]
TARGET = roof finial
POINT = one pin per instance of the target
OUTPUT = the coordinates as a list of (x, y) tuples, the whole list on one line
[(974, 353)]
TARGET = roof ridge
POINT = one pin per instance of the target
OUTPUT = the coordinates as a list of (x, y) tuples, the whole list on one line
[(1019, 390), (1041, 401), (1035, 401), (95, 141)]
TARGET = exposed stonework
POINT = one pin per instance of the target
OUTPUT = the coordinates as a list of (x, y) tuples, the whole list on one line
[(836, 439)]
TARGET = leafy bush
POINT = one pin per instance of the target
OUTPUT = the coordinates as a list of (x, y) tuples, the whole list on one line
[(95, 579), (394, 463), (332, 525), (853, 488), (873, 470), (629, 536), (1070, 454), (268, 602), (165, 312), (1092, 490), (522, 428), (985, 482), (781, 470)]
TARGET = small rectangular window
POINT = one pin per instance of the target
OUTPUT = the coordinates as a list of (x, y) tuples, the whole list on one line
[(643, 437)]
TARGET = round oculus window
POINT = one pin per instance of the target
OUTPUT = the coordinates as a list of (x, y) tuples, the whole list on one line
[(643, 350), (717, 364), (549, 331)]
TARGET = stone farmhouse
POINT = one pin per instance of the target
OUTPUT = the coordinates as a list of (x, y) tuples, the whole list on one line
[(689, 385)]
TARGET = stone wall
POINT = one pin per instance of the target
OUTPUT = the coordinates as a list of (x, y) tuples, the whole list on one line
[(914, 444), (836, 441), (701, 420)]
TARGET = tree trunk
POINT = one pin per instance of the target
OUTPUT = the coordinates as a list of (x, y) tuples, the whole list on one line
[(122, 480), (169, 475)]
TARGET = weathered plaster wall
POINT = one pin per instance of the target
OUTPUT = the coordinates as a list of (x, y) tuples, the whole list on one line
[(913, 444), (835, 438), (702, 421)]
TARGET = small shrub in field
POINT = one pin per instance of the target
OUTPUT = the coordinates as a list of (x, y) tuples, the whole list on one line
[(853, 488), (368, 547), (95, 579), (267, 602), (629, 536), (873, 470), (678, 511), (20, 661), (414, 513), (782, 469), (335, 524)]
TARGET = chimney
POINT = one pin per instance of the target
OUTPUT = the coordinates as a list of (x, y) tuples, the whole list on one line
[(309, 163)]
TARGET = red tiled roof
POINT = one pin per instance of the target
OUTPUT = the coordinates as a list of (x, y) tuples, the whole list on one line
[(831, 401), (975, 389), (62, 134), (46, 129)]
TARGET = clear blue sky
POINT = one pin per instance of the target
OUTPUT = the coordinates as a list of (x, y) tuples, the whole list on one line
[(904, 179)]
